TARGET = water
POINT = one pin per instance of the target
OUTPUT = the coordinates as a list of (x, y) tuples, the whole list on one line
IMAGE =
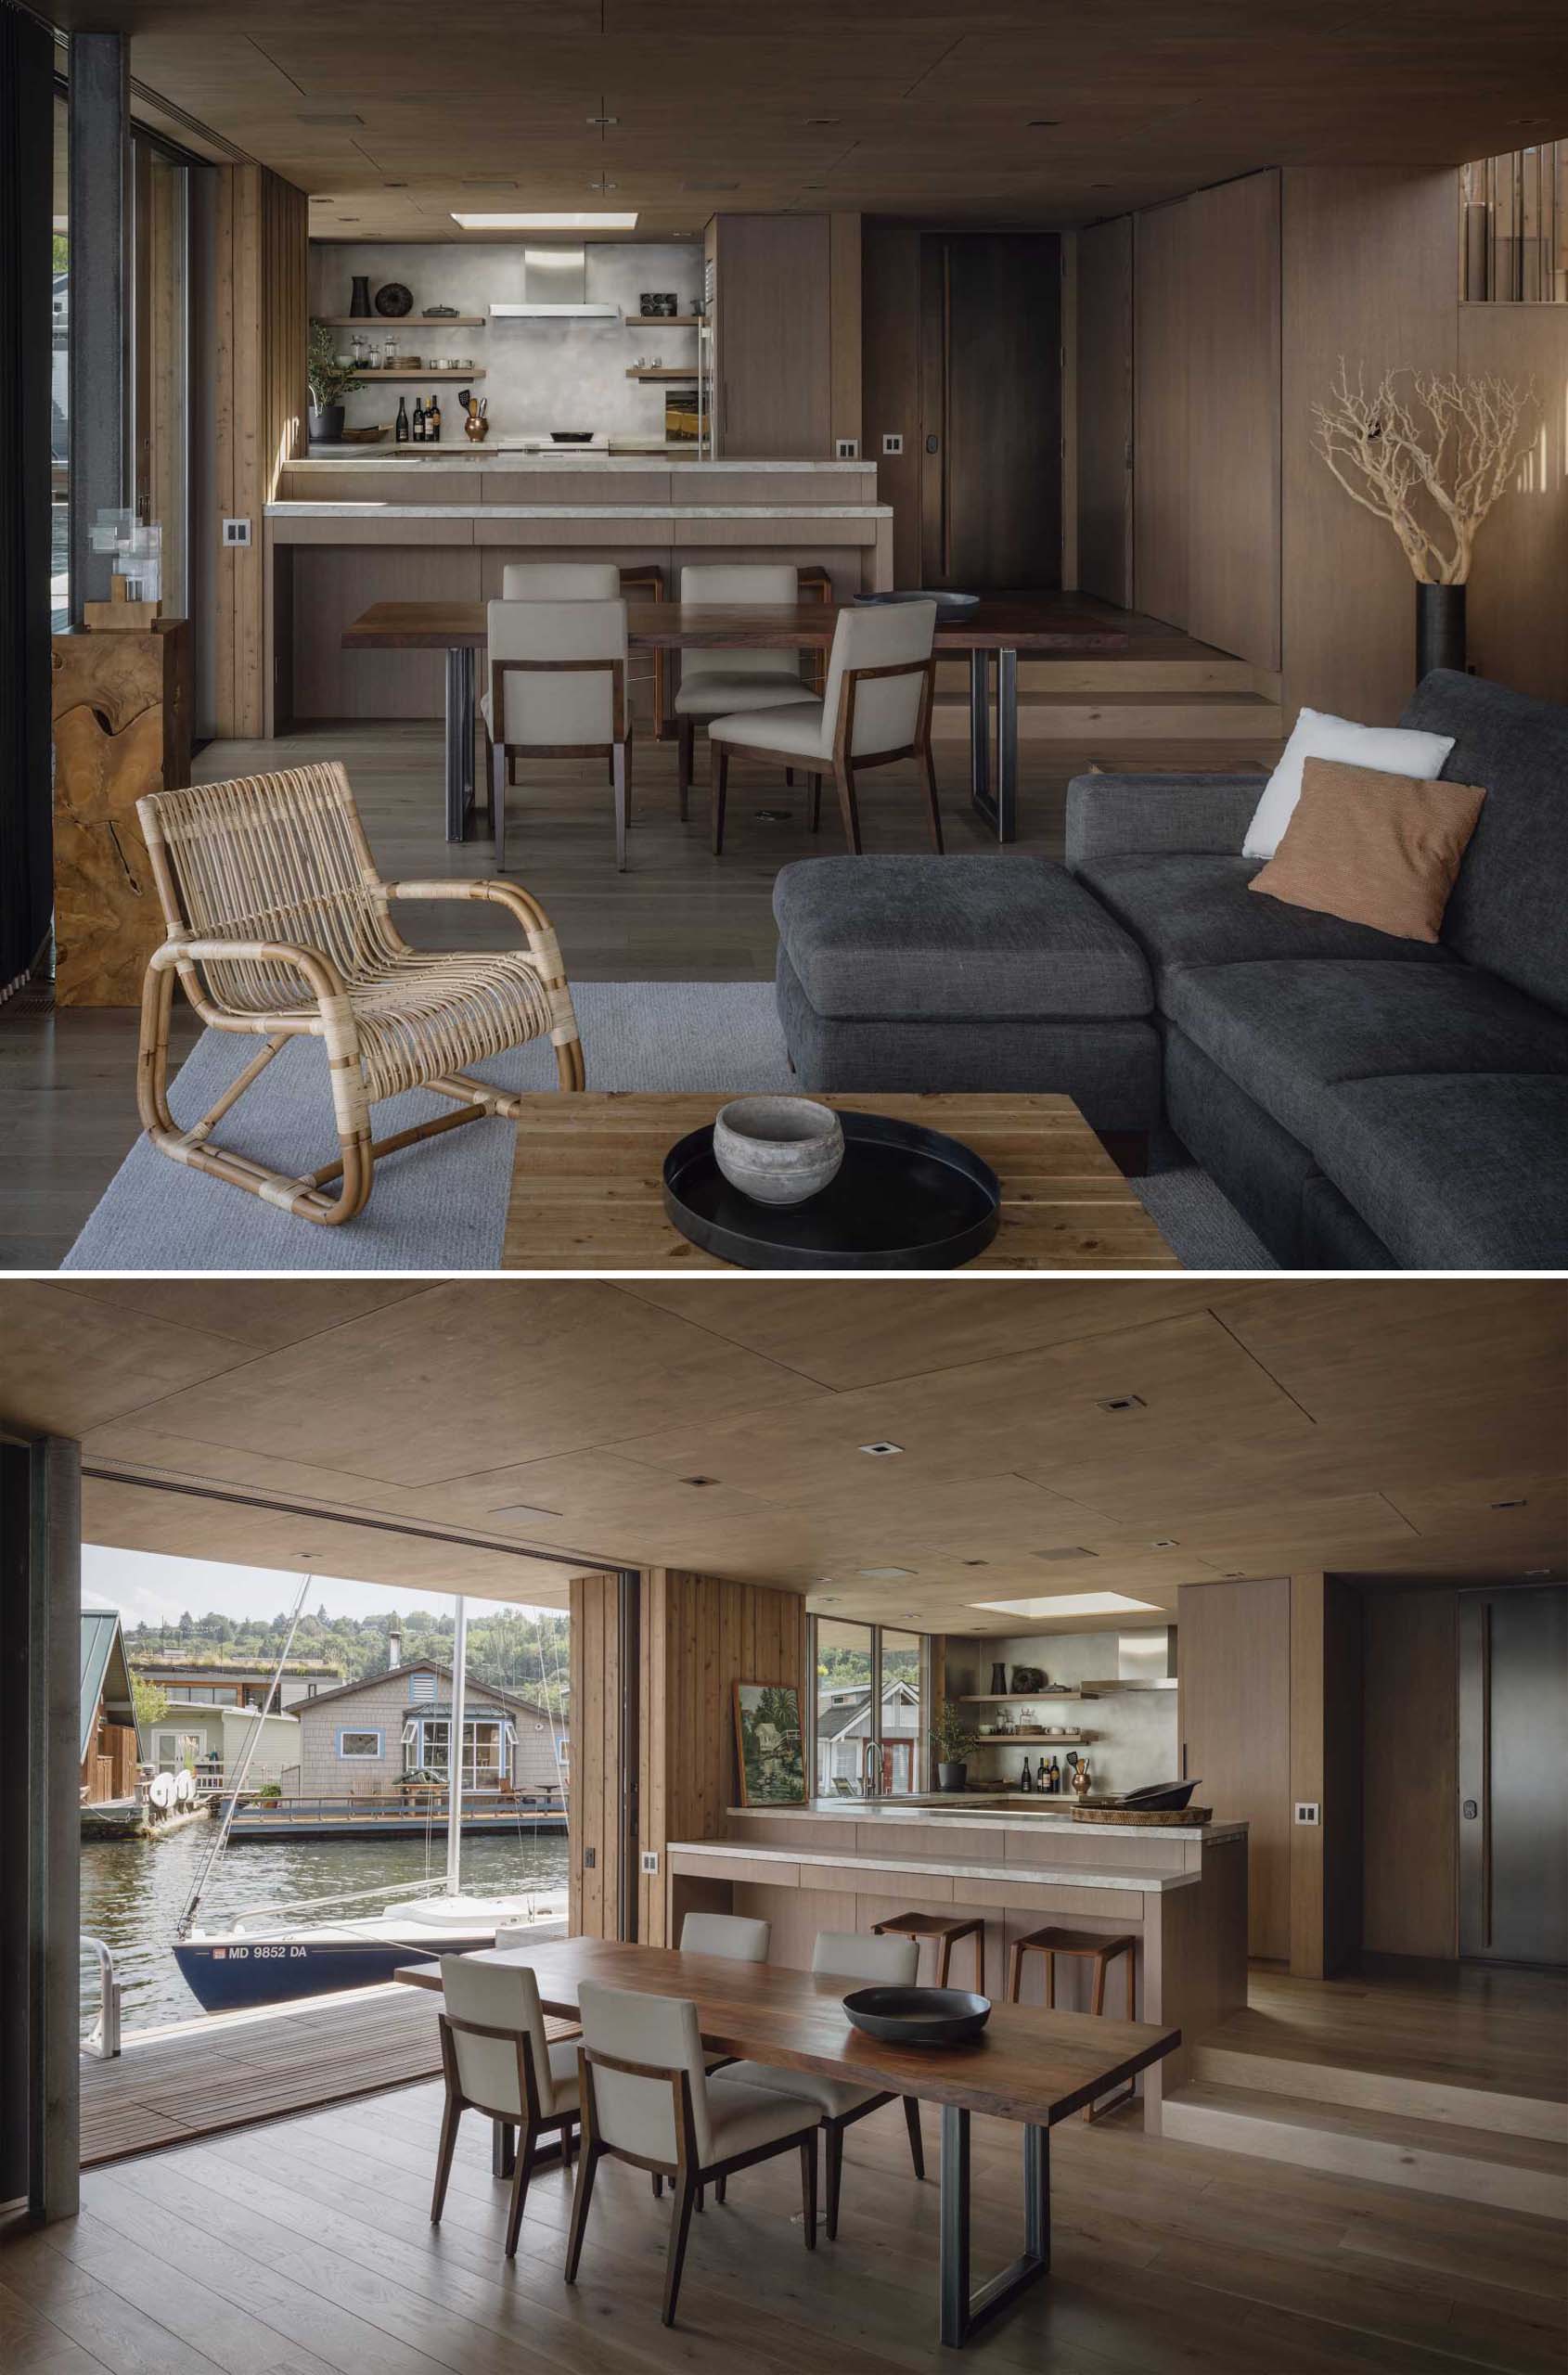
[(134, 1890)]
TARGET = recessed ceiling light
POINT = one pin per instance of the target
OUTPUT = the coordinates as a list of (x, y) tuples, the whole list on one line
[(601, 120), (546, 222), (1164, 1542), (976, 1562), (1123, 1402), (700, 1480), (885, 1574), (1043, 124), (1531, 1572), (1071, 1604), (881, 1451), (819, 120), (1520, 1504)]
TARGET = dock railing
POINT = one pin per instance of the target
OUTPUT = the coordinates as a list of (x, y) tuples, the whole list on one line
[(103, 2040), (426, 1802)]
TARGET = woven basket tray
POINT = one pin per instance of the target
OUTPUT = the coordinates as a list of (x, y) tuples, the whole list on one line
[(1144, 1818)]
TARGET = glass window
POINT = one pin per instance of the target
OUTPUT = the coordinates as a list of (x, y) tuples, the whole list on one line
[(352, 1744), (159, 379), (843, 1706), (222, 1695), (1514, 226), (902, 1712), (60, 382)]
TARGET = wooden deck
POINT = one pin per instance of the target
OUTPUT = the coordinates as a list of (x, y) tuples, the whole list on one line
[(230, 2070), (305, 2248)]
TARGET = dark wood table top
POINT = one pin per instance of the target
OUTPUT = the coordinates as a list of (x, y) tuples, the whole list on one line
[(1042, 624), (1027, 2064)]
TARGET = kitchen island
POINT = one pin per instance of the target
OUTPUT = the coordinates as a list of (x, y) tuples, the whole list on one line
[(1180, 1891), (440, 523)]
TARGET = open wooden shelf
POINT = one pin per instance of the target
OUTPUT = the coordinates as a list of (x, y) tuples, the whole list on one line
[(1034, 1739), (385, 324), (1014, 1698), (664, 371), (369, 378), (664, 321)]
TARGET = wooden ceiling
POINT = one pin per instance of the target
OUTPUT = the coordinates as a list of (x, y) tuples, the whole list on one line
[(1003, 111), (422, 1434)]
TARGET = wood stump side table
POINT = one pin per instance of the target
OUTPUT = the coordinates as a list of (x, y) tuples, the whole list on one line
[(121, 699)]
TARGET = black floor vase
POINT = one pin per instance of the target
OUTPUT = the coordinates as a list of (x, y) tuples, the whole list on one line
[(1440, 628)]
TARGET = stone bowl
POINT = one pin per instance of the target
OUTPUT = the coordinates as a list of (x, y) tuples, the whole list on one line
[(777, 1149)]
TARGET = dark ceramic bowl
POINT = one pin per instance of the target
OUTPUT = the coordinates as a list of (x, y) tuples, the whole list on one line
[(571, 436), (919, 2015)]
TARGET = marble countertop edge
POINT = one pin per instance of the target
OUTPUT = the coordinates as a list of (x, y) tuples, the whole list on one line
[(1071, 1876)]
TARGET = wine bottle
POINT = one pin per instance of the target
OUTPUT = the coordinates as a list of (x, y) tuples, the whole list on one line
[(1040, 1777), (433, 420), (400, 434), (1025, 1780), (418, 422)]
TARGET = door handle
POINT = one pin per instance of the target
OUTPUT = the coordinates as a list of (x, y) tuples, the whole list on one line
[(1471, 1810), (933, 446)]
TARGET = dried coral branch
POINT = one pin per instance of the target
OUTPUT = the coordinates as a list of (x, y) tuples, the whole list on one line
[(1431, 465)]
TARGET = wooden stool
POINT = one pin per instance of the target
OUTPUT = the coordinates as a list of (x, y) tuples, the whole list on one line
[(1093, 1948), (946, 1933)]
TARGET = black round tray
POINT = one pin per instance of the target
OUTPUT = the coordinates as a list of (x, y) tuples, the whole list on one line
[(906, 1198), (919, 2015)]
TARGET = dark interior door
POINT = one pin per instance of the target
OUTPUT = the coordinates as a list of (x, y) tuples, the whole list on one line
[(990, 405), (1513, 1775)]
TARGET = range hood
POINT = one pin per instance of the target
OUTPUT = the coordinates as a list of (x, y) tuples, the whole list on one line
[(555, 283), (1145, 1660)]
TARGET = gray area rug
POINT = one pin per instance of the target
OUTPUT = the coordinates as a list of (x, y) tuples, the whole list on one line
[(442, 1206)]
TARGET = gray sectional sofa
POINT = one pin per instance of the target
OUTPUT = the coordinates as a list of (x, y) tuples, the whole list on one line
[(1366, 1102)]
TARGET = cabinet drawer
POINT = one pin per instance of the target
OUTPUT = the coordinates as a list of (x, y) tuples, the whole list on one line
[(1039, 1896)]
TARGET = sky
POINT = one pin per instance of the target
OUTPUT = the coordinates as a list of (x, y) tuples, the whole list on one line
[(146, 1586)]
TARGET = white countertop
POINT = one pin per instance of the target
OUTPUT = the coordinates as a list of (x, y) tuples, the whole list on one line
[(624, 455), (370, 508), (979, 1816), (1044, 1874)]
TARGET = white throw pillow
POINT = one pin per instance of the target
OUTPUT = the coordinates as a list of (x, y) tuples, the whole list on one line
[(1396, 749)]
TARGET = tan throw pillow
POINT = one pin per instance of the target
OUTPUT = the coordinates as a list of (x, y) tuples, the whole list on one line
[(1373, 848)]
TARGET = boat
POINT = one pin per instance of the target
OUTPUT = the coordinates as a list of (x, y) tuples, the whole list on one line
[(274, 1954)]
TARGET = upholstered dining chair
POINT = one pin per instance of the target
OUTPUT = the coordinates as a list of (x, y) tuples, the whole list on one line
[(733, 1935), (648, 2100), (869, 1962), (560, 580), (876, 708), (726, 684), (280, 927), (495, 2059), (557, 688)]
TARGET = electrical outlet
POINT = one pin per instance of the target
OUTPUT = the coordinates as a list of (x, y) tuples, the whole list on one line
[(1306, 1812), (847, 449), (236, 531), (590, 1858), (892, 444), (650, 1860)]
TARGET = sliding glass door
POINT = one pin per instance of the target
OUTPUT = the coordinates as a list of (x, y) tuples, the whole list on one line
[(868, 1699)]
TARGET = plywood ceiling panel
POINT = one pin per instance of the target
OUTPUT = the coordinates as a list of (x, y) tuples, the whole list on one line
[(1035, 111), (424, 1437)]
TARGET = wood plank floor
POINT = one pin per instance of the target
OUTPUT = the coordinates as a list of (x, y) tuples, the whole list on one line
[(306, 2246), (67, 1080), (1455, 2024), (230, 2071)]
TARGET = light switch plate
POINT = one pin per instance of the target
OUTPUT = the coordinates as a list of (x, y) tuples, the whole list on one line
[(1306, 1812), (236, 531), (846, 449), (892, 442), (651, 1859)]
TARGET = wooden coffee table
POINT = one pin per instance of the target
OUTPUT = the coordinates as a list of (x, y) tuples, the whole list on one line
[(587, 1182)]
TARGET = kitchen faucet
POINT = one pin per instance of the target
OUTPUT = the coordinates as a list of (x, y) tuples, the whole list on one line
[(871, 1770)]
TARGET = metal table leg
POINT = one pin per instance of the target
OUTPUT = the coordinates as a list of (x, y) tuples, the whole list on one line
[(459, 739), (963, 2311), (1007, 745), (980, 734)]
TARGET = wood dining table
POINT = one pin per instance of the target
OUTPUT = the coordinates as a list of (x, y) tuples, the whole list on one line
[(994, 629), (1034, 2068)]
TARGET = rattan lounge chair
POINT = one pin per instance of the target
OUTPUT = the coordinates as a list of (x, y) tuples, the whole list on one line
[(279, 927)]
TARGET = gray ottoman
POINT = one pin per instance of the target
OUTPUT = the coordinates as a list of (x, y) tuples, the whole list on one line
[(922, 973)]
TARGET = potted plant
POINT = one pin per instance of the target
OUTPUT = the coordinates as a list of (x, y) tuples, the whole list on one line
[(329, 382), (1432, 462), (952, 1738)]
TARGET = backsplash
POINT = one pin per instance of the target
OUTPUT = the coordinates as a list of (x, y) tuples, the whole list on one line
[(1134, 1732), (539, 375)]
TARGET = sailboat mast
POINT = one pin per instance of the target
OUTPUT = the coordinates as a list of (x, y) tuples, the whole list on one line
[(455, 1753)]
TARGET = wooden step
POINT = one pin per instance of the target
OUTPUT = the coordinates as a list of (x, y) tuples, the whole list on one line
[(1136, 717), (1422, 2155), (1380, 2091)]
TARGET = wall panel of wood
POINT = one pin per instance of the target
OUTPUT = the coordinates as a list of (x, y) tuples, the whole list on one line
[(774, 339), (891, 391), (1232, 289), (262, 247), (701, 1635), (593, 1790), (1234, 1714), (1325, 1771), (1518, 598), (1162, 254), (1105, 410), (1371, 272), (1409, 1758)]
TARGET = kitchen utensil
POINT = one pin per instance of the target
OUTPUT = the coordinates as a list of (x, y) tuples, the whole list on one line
[(919, 2015), (439, 313), (393, 300)]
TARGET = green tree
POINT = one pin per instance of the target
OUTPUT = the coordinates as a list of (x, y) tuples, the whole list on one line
[(149, 1700)]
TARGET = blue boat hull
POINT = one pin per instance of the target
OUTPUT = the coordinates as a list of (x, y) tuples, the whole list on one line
[(228, 1977)]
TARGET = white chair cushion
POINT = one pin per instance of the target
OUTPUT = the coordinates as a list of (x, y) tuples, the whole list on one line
[(735, 1936), (724, 691), (801, 731), (830, 2096), (742, 2117)]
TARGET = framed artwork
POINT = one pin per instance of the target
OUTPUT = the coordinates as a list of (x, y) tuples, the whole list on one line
[(769, 1747)]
